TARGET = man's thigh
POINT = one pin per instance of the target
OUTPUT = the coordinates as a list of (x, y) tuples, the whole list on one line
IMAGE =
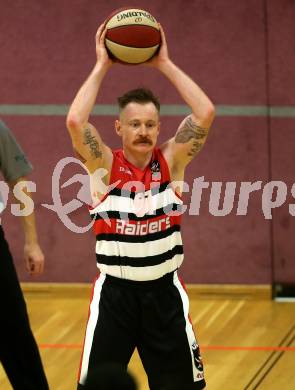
[(111, 330), (168, 346)]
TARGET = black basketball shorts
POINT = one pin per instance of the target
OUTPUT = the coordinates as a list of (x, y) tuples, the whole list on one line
[(151, 316)]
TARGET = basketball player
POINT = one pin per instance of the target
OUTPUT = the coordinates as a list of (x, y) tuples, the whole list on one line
[(138, 299), (19, 353)]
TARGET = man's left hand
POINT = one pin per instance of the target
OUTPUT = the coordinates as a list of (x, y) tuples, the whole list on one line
[(162, 56)]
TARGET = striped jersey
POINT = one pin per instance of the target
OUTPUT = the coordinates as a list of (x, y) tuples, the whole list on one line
[(137, 224)]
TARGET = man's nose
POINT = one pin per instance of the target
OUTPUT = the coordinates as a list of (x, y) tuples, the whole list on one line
[(143, 129)]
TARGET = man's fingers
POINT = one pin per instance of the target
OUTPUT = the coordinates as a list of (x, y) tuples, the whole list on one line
[(101, 32), (28, 266), (163, 38), (35, 267)]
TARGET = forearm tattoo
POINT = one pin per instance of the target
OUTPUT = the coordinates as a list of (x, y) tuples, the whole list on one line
[(93, 144), (189, 130)]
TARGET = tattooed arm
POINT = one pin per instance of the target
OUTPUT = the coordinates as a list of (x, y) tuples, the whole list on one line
[(89, 147), (193, 131), (87, 142), (189, 140), (186, 144)]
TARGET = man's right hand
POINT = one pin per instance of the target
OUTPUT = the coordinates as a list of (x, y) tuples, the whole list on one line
[(101, 51)]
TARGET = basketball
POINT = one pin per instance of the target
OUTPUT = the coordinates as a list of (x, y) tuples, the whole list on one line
[(133, 35)]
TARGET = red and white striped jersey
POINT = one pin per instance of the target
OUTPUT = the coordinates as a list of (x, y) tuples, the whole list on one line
[(137, 224)]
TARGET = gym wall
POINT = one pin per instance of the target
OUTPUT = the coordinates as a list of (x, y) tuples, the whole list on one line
[(240, 52)]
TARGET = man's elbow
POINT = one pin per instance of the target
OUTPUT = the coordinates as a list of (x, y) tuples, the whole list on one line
[(73, 122), (210, 111), (208, 115)]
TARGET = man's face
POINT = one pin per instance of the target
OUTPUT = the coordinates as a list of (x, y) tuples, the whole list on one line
[(138, 126)]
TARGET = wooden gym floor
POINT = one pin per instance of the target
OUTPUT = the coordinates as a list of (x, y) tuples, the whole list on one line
[(247, 340)]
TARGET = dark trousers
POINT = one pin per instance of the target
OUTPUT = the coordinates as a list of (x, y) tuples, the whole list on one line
[(151, 316), (19, 353)]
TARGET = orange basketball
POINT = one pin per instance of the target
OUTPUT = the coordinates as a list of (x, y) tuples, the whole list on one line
[(133, 35)]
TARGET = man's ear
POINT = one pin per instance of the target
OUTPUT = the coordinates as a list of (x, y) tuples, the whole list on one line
[(159, 127), (118, 127)]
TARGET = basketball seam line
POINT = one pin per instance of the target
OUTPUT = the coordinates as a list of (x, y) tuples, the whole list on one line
[(134, 24), (132, 47)]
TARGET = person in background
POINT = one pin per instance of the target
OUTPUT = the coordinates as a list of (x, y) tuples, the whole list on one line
[(19, 353)]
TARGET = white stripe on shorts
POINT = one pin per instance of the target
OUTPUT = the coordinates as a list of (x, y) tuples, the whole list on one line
[(91, 325), (198, 375)]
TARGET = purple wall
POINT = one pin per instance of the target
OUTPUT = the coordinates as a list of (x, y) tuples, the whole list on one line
[(48, 52)]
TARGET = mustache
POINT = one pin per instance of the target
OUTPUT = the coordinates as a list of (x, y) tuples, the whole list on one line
[(143, 140)]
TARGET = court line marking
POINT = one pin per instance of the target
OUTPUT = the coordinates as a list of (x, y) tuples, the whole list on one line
[(277, 358), (203, 347), (166, 110), (272, 359)]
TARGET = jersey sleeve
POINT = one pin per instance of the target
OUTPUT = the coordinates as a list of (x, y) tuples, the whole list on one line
[(13, 162)]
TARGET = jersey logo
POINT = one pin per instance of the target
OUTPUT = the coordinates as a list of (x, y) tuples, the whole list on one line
[(125, 170), (156, 170)]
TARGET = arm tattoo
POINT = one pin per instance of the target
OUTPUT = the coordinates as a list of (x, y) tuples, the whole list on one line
[(196, 147), (189, 130), (93, 144)]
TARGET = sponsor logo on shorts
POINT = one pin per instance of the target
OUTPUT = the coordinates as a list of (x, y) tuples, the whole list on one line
[(198, 359)]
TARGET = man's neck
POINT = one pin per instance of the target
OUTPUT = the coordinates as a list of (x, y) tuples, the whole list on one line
[(139, 160)]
